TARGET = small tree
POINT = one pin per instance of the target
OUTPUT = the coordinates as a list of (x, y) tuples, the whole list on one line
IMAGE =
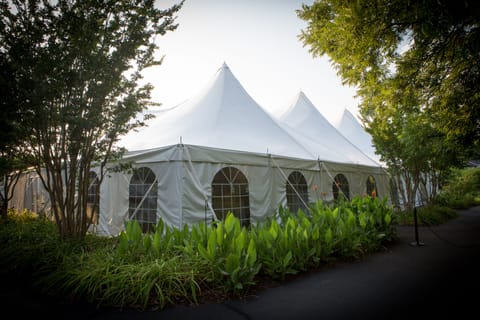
[(77, 65), (12, 133), (416, 153), (416, 67), (11, 170)]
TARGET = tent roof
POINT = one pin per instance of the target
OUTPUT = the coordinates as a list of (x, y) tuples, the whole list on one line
[(303, 120), (351, 128), (223, 116)]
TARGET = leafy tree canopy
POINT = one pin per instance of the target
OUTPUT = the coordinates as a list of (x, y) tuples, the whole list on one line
[(71, 75), (405, 58)]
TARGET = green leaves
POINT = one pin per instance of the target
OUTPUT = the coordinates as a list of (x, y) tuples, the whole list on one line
[(298, 242), (174, 265), (280, 245), (212, 245), (413, 64), (230, 251), (251, 254), (73, 71)]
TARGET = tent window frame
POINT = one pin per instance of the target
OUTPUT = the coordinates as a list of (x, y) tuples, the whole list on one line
[(142, 198), (340, 186), (296, 189), (230, 192)]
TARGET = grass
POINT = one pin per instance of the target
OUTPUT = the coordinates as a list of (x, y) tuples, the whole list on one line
[(428, 215)]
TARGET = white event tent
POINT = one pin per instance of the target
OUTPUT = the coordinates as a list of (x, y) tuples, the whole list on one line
[(220, 151), (313, 129), (349, 126)]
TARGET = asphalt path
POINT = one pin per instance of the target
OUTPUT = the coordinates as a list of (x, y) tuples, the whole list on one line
[(440, 278)]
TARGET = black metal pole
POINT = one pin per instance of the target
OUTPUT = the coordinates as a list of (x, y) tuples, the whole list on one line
[(205, 212), (206, 230), (416, 224), (417, 242)]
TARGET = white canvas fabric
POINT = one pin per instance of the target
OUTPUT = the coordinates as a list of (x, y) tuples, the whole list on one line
[(222, 116), (303, 120), (185, 183), (349, 126), (186, 146)]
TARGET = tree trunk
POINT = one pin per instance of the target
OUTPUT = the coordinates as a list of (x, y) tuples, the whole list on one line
[(9, 184)]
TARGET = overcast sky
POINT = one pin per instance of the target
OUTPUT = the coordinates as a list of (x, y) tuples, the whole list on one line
[(258, 39)]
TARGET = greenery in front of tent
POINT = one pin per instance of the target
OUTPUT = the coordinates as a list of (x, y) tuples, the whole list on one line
[(172, 266), (461, 190)]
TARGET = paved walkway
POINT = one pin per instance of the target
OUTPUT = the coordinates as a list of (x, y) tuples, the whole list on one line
[(439, 279)]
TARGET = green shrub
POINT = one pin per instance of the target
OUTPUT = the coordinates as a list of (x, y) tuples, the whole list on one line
[(172, 265), (290, 243), (27, 242), (229, 249), (461, 190), (428, 215)]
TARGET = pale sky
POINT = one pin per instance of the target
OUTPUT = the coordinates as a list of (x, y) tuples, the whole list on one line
[(258, 39)]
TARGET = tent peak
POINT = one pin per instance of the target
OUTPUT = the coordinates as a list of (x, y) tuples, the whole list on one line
[(347, 112), (301, 105), (299, 96), (349, 116), (224, 65), (302, 96)]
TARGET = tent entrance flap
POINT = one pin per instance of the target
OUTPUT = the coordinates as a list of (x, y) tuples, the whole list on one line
[(198, 184)]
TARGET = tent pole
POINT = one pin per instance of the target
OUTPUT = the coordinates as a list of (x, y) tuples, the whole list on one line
[(206, 207)]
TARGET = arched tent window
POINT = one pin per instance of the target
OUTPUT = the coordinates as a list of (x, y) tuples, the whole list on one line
[(340, 187), (372, 187), (297, 192), (230, 193), (93, 197), (142, 198)]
